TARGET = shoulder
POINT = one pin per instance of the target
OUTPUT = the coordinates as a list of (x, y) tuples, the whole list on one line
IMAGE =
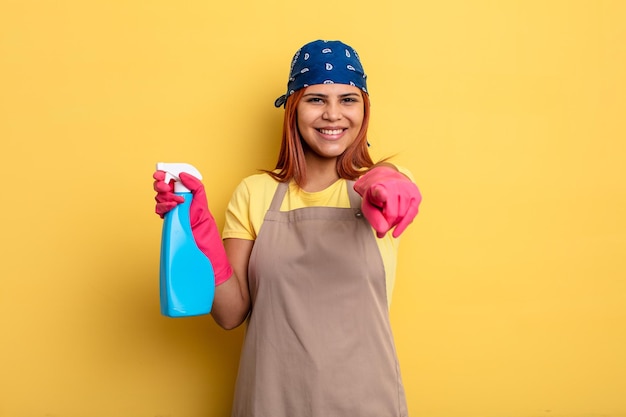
[(405, 171), (255, 190), (257, 184), (247, 206)]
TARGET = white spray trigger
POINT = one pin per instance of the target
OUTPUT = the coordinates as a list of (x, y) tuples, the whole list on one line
[(172, 172)]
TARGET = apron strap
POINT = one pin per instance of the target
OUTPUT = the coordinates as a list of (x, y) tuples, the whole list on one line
[(278, 196), (355, 198)]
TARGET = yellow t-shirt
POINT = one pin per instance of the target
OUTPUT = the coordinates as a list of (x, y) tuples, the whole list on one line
[(251, 200)]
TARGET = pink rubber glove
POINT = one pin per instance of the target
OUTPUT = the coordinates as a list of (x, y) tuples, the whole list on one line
[(390, 199), (203, 224)]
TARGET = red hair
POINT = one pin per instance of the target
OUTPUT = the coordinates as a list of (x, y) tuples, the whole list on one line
[(291, 162)]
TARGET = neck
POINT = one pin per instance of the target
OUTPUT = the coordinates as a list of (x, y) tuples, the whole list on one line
[(320, 173)]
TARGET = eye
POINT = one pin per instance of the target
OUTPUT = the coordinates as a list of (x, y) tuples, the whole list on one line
[(314, 100)]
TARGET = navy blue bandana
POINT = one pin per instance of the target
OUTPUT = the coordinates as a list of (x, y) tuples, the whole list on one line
[(324, 62)]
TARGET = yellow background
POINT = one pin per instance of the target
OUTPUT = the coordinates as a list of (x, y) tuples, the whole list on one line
[(511, 295)]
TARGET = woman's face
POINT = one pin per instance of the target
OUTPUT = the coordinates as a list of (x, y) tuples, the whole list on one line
[(329, 118)]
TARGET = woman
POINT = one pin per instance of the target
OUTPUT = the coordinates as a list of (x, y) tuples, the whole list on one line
[(306, 257)]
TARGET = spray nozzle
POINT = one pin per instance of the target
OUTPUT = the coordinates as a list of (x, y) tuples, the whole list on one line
[(172, 172)]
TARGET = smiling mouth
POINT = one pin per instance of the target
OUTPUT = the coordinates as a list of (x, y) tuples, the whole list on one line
[(330, 131)]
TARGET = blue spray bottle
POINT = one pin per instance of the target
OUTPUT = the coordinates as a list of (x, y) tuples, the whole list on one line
[(187, 281)]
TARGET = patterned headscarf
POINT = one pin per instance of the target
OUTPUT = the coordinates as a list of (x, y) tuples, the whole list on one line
[(324, 62)]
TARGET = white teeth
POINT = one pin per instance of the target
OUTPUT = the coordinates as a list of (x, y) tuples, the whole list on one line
[(331, 132)]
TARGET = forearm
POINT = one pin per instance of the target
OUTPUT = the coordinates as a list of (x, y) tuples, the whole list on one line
[(231, 304), (232, 298)]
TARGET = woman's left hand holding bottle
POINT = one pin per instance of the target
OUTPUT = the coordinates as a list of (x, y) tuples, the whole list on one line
[(165, 198), (203, 226)]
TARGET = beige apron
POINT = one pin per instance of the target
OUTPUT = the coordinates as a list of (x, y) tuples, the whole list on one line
[(318, 341)]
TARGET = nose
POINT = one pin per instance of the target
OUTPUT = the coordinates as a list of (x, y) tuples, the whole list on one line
[(332, 112)]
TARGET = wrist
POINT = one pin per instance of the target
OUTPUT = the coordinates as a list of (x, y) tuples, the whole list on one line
[(223, 275)]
